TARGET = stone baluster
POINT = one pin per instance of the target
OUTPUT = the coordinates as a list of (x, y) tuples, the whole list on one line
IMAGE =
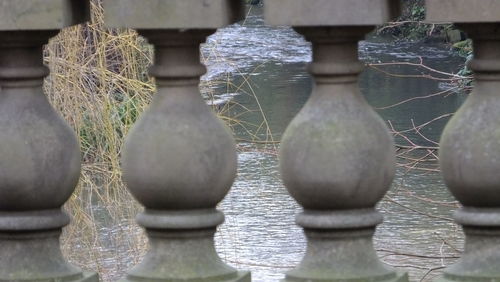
[(337, 158), (39, 153), (470, 145), (179, 160)]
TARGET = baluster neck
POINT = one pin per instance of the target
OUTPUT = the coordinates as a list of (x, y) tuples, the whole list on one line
[(21, 58), (335, 53), (177, 56)]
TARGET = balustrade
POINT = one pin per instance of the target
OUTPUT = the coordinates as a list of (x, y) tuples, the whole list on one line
[(39, 154), (337, 157), (179, 160), (470, 145)]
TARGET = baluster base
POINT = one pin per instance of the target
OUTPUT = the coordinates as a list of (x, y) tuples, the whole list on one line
[(481, 256), (242, 276), (393, 277), (478, 277), (182, 248), (30, 251), (340, 248), (452, 278), (83, 277), (87, 277)]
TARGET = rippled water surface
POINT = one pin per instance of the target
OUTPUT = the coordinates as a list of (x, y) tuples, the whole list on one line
[(268, 63), (257, 74)]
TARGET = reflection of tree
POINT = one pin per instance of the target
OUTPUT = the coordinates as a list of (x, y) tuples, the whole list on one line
[(267, 100), (416, 141), (417, 157), (413, 155)]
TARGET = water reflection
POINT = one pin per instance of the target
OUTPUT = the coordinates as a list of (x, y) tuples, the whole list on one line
[(269, 65)]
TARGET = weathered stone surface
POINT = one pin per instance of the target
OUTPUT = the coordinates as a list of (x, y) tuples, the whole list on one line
[(42, 14), (39, 166), (237, 277), (342, 252), (463, 11), (171, 14), (337, 160), (337, 154), (481, 258), (470, 159), (179, 161), (330, 13)]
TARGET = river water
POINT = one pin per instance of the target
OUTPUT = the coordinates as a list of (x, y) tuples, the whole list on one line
[(257, 79), (259, 71)]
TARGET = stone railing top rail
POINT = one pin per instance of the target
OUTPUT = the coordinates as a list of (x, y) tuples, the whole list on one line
[(330, 13), (463, 11), (172, 14), (42, 14)]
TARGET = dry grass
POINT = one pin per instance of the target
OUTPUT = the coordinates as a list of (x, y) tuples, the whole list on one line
[(99, 84)]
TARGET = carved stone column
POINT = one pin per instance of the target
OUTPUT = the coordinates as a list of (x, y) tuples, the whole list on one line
[(470, 145), (39, 153), (337, 157), (179, 160)]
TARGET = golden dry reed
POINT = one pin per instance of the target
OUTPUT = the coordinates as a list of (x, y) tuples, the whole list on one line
[(99, 84)]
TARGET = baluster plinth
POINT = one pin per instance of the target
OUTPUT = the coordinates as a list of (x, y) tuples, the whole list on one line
[(39, 153), (179, 160), (470, 145), (337, 158)]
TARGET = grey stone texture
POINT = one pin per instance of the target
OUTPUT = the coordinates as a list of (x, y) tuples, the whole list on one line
[(470, 155), (172, 14), (337, 160), (39, 166), (39, 153), (330, 13), (179, 161), (340, 256), (42, 14), (463, 11)]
